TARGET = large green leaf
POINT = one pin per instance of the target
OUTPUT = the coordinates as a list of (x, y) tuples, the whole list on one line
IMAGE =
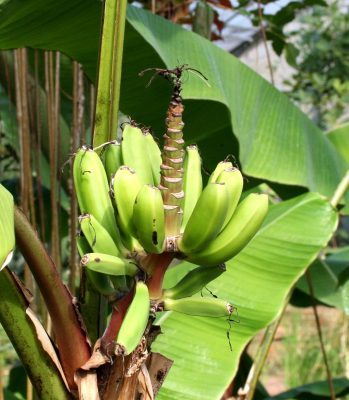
[(340, 138), (257, 282), (276, 141), (7, 230)]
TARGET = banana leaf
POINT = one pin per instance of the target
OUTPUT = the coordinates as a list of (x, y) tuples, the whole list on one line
[(239, 113), (257, 282)]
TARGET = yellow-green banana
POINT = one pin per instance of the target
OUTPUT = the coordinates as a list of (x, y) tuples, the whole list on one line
[(234, 182), (112, 158), (154, 154), (108, 264), (101, 283), (149, 219), (134, 153), (126, 185), (241, 228), (192, 182), (135, 321), (82, 245), (206, 219), (194, 281), (97, 237), (221, 166), (92, 190), (200, 306)]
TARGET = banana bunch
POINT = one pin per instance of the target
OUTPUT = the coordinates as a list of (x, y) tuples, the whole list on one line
[(135, 201)]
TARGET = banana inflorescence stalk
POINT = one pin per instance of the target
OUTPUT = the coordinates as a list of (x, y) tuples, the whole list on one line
[(140, 205)]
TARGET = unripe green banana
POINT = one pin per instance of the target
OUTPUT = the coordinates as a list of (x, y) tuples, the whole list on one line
[(221, 166), (82, 245), (135, 155), (149, 219), (192, 182), (200, 306), (112, 158), (194, 281), (241, 228), (101, 283), (92, 190), (206, 220), (97, 237), (154, 154), (126, 185), (108, 265), (234, 182), (135, 321)]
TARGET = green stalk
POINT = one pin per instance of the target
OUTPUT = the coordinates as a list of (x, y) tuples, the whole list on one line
[(40, 368), (109, 75), (74, 350)]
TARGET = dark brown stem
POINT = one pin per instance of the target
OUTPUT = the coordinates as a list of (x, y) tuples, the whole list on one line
[(53, 151), (321, 340), (26, 187), (71, 339)]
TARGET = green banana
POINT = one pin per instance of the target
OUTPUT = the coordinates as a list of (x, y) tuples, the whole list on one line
[(135, 321), (221, 166), (234, 182), (97, 237), (200, 306), (194, 281), (126, 185), (154, 154), (149, 219), (206, 220), (92, 190), (112, 158), (108, 265), (101, 283), (192, 182), (82, 245), (135, 155), (241, 228)]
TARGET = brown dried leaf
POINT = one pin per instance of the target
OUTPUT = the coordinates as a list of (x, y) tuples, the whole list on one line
[(158, 367), (97, 358), (144, 384), (86, 382), (46, 342)]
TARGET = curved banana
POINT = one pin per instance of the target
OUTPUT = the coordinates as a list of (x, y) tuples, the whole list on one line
[(206, 220), (112, 158), (108, 265), (126, 185), (135, 155), (97, 237), (200, 306), (101, 283), (221, 166), (154, 154), (194, 281), (82, 245), (135, 321), (192, 182), (234, 182), (241, 228), (149, 219), (92, 190)]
